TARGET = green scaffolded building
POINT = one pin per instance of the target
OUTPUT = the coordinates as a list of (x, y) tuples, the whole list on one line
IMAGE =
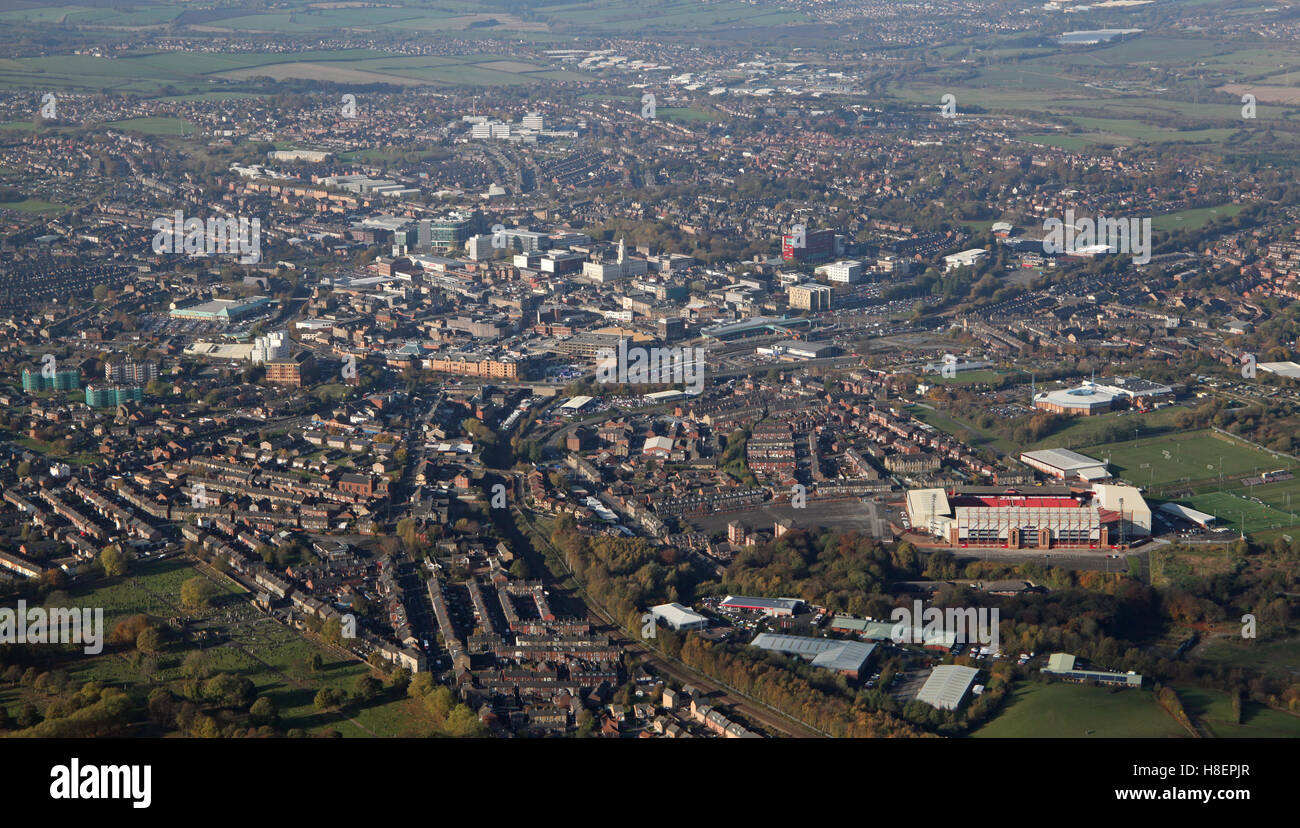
[(106, 396), (69, 379)]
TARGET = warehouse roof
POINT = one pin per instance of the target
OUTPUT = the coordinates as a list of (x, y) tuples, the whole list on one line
[(749, 602), (947, 686), (677, 616), (1063, 459), (848, 656)]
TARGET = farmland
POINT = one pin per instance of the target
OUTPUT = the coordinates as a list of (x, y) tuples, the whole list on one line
[(181, 74)]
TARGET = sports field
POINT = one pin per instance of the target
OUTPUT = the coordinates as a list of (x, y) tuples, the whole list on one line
[(1190, 455), (1076, 711), (1239, 513)]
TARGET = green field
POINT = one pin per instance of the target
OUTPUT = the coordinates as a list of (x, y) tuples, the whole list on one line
[(1212, 709), (1194, 455), (1195, 219), (179, 75), (1076, 711), (32, 205), (156, 126), (1239, 514), (1089, 431), (1280, 658)]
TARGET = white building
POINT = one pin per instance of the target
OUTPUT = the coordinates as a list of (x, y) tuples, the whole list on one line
[(678, 617), (844, 272), (966, 258), (1063, 464), (947, 686), (621, 268), (270, 347)]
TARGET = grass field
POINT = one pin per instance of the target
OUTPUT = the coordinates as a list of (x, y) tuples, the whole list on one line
[(1213, 710), (156, 126), (1089, 431), (1195, 219), (32, 205), (1279, 658), (1076, 711), (1195, 455), (1239, 514)]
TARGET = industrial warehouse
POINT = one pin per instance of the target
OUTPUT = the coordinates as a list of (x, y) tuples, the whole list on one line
[(1041, 517)]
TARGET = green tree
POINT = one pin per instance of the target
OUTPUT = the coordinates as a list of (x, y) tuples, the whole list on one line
[(112, 561), (149, 640), (264, 712), (197, 593), (367, 688)]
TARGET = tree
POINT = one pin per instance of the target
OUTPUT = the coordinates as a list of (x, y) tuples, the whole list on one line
[(197, 593), (112, 561), (264, 711), (439, 702), (332, 631), (149, 640), (328, 698), (367, 688), (197, 665), (421, 685), (464, 722)]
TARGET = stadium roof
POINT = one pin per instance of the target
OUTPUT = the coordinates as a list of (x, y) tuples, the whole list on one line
[(947, 686), (1085, 396)]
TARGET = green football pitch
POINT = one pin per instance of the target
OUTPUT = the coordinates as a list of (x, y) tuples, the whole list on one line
[(1190, 455)]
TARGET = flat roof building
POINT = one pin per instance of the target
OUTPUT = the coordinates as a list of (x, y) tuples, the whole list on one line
[(848, 657), (947, 686), (679, 617), (221, 310), (767, 606), (1063, 464), (1062, 665), (966, 258)]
